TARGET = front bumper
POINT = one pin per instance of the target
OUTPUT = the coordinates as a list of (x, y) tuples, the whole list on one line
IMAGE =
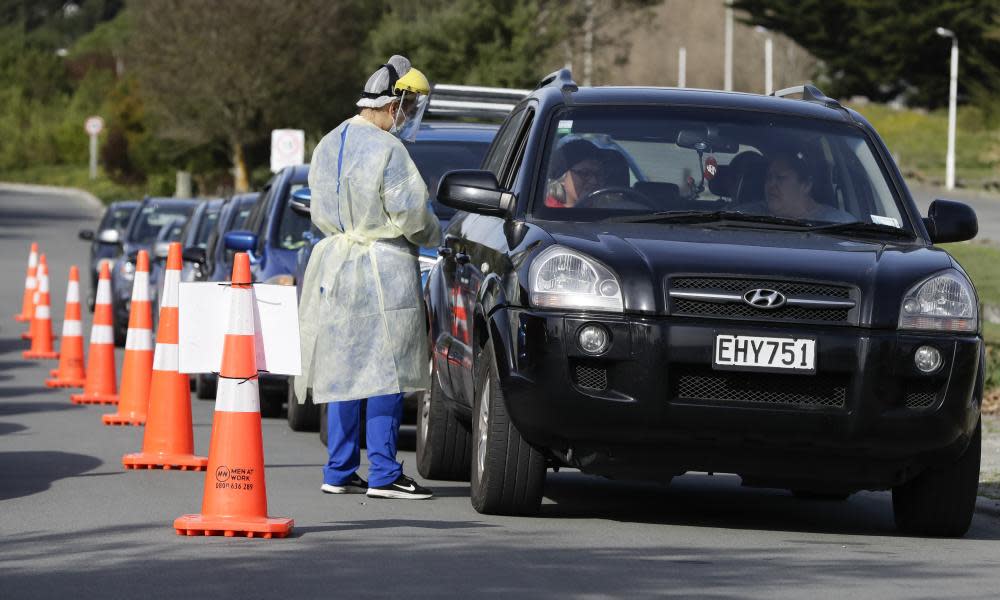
[(867, 418)]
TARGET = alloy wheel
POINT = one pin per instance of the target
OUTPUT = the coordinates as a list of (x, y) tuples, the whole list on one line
[(484, 426)]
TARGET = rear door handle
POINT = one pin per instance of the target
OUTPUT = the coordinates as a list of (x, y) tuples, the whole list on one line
[(462, 258)]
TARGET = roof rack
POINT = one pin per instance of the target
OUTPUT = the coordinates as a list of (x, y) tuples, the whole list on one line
[(561, 78), (473, 101), (809, 93)]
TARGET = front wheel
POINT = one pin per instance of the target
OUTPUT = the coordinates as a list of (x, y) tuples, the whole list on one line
[(508, 473), (444, 443), (941, 500)]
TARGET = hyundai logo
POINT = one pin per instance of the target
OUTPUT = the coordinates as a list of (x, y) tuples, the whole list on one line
[(764, 299)]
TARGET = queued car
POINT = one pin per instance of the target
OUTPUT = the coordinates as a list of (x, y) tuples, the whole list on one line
[(439, 147), (199, 228), (272, 236), (797, 326), (143, 228), (214, 263), (105, 243)]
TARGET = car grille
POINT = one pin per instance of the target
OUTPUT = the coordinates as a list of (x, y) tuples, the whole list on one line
[(918, 396), (737, 309), (591, 378), (702, 384)]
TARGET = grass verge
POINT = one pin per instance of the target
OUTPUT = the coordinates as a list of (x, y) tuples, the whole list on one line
[(75, 177)]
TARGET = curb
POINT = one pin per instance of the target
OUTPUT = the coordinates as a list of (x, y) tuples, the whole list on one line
[(79, 194)]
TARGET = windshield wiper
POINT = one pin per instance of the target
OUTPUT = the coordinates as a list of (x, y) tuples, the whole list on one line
[(698, 216), (862, 227)]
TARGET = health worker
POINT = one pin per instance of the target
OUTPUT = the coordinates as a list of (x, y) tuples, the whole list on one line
[(362, 319)]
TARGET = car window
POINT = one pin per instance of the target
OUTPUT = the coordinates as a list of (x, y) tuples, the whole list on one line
[(502, 143), (152, 217), (434, 159), (511, 169), (601, 162), (292, 226), (206, 226), (116, 218)]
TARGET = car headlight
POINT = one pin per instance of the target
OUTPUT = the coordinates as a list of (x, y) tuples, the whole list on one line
[(944, 302), (283, 279), (127, 270), (427, 263), (564, 278)]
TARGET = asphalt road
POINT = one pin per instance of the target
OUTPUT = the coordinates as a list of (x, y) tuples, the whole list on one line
[(74, 524)]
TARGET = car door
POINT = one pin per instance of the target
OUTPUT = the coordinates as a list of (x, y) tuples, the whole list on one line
[(471, 258)]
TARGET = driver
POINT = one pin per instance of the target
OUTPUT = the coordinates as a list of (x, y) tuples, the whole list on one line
[(577, 170)]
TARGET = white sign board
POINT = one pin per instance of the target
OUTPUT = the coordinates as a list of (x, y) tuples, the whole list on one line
[(204, 318), (93, 125), (288, 148)]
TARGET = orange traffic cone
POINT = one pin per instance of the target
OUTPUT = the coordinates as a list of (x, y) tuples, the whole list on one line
[(100, 385), (41, 323), (30, 283), (70, 372), (235, 500), (137, 368), (168, 441)]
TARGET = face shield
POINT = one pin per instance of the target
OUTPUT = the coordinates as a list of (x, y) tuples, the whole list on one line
[(408, 114)]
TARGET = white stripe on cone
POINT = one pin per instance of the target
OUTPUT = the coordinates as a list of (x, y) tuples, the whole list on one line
[(236, 395), (43, 282), (102, 334), (42, 312), (140, 287), (32, 259), (103, 292), (30, 282), (241, 311), (71, 328), (138, 339), (171, 286), (73, 292), (165, 357)]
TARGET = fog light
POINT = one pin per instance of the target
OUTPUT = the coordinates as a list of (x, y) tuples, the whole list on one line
[(593, 338), (927, 359)]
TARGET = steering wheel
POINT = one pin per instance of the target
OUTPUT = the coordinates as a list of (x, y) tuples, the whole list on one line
[(628, 196)]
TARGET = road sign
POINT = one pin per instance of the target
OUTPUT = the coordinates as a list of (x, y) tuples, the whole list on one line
[(288, 148), (93, 125)]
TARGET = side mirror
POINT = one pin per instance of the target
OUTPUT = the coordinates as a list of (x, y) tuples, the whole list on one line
[(86, 234), (240, 241), (949, 221), (109, 236), (194, 254), (301, 201), (475, 191), (161, 250)]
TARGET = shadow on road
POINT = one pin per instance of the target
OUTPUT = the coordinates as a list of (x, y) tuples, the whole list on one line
[(27, 473), (8, 428), (20, 408)]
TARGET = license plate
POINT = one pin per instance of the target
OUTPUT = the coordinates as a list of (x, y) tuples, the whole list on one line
[(754, 353)]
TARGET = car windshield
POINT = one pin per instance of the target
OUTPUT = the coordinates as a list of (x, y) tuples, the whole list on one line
[(117, 218), (209, 219), (154, 216), (649, 164), (434, 159)]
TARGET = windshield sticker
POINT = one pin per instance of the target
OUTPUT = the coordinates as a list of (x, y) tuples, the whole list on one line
[(711, 168), (565, 126), (879, 219)]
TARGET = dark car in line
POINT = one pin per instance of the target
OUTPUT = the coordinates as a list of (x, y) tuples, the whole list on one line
[(438, 148), (143, 228), (106, 242), (795, 325), (214, 263), (198, 229)]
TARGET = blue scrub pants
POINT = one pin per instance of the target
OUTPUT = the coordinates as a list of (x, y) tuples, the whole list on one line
[(342, 440)]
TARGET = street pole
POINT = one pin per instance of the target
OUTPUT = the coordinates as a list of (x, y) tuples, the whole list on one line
[(952, 110), (728, 75), (682, 56), (768, 69), (93, 156)]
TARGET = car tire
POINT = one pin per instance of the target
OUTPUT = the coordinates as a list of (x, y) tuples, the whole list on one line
[(205, 386), (941, 500), (270, 405), (301, 417), (444, 443), (508, 473), (120, 334)]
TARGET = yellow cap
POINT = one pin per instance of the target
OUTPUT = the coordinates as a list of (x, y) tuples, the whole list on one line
[(414, 81)]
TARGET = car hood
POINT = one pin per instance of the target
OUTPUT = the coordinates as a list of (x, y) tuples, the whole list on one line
[(645, 256)]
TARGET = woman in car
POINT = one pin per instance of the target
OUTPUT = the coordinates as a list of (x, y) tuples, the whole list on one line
[(576, 171), (792, 186)]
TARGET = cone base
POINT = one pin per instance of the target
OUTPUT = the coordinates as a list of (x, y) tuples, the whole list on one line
[(65, 383), (21, 318), (94, 398), (165, 461), (265, 527), (45, 355), (120, 419), (54, 373)]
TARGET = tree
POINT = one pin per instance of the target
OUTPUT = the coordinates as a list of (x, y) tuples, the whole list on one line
[(884, 50), (230, 72)]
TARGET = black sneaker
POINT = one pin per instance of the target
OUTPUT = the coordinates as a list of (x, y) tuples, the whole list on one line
[(354, 485), (403, 488)]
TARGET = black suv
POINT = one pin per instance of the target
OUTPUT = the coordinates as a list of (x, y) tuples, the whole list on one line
[(647, 282)]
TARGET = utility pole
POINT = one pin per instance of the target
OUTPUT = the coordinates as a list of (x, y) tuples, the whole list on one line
[(728, 83), (682, 56), (768, 66)]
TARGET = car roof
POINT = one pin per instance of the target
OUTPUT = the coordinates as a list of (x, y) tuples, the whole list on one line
[(161, 201), (446, 131), (123, 204), (552, 95)]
